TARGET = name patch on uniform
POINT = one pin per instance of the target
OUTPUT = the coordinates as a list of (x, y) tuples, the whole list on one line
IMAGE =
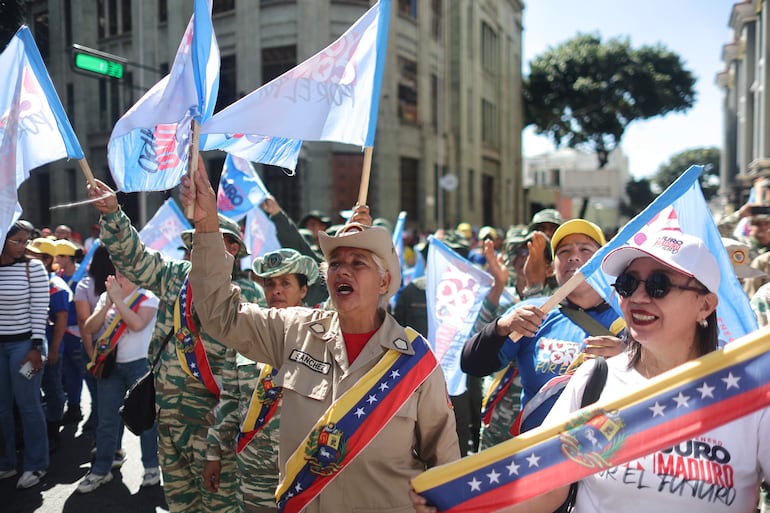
[(310, 362)]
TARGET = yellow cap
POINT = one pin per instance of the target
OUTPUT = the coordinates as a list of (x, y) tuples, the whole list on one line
[(65, 247), (580, 226), (42, 245)]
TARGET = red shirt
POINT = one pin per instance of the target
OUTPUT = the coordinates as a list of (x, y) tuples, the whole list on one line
[(355, 342)]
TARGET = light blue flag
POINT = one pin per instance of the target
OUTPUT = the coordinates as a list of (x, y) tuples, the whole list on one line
[(398, 243), (275, 151), (682, 204), (455, 290), (259, 235), (332, 96), (162, 232), (240, 188), (34, 129), (149, 146)]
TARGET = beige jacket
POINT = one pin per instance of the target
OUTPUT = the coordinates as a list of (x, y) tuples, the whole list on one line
[(308, 347)]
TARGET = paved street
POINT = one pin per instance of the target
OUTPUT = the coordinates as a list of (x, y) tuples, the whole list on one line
[(69, 464)]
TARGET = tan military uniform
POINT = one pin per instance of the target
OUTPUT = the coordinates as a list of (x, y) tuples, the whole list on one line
[(308, 347)]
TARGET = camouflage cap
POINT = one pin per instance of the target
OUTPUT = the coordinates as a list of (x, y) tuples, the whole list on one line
[(228, 227), (285, 261), (547, 215), (458, 242)]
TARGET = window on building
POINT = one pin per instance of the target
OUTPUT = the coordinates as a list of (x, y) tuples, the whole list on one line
[(67, 22), (490, 50), (409, 178), (435, 19), (407, 8), (277, 60), (407, 90), (222, 6), (162, 11), (228, 90), (555, 178), (489, 124), (42, 34), (490, 198), (70, 102), (114, 17)]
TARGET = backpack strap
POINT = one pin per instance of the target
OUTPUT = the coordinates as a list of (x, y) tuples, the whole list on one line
[(585, 321), (596, 382)]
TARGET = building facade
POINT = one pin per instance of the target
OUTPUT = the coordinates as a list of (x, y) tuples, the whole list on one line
[(448, 141), (745, 82)]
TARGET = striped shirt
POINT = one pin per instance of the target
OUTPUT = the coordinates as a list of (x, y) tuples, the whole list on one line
[(23, 300)]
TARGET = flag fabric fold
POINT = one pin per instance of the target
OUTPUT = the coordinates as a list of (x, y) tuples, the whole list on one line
[(34, 129), (455, 290), (162, 232), (259, 235), (149, 146), (332, 96)]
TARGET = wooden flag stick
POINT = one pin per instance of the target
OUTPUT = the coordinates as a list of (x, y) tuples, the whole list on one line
[(87, 172), (365, 173), (192, 167), (556, 298)]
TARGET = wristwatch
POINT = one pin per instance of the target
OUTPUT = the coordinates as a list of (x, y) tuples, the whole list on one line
[(37, 345)]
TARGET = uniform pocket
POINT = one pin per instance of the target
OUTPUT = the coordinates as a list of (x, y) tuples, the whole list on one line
[(308, 381)]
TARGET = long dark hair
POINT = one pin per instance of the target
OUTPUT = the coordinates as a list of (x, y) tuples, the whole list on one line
[(101, 267)]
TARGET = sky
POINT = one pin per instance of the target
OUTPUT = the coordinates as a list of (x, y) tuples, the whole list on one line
[(694, 29)]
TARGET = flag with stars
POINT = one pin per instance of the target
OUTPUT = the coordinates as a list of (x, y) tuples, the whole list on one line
[(189, 346), (676, 406), (352, 422), (264, 403)]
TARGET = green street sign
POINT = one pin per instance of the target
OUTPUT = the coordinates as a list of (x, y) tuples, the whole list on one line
[(98, 63)]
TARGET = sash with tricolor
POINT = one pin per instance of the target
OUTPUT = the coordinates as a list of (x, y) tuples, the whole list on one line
[(352, 422), (676, 406), (111, 336), (497, 390), (264, 403), (189, 347)]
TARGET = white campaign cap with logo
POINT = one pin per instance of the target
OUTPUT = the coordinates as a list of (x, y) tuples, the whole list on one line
[(680, 251)]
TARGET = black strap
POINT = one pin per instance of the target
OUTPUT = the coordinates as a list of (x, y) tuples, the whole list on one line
[(591, 393), (585, 321), (161, 349), (596, 382)]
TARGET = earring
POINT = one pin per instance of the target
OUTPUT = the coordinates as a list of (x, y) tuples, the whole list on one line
[(703, 323)]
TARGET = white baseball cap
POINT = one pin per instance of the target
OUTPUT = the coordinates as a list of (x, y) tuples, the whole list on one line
[(680, 251)]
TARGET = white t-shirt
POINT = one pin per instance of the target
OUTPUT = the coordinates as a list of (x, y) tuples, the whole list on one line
[(133, 345), (719, 471)]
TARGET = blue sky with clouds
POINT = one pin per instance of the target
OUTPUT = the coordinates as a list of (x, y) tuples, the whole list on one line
[(694, 29)]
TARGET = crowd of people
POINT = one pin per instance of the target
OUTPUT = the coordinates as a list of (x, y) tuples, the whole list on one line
[(307, 382)]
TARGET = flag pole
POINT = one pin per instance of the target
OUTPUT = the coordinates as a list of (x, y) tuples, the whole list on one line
[(365, 173), (192, 167), (87, 172)]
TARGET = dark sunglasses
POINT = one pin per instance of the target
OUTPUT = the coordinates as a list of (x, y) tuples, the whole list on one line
[(657, 285)]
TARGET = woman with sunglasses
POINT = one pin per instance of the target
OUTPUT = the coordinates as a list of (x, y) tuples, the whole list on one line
[(668, 287)]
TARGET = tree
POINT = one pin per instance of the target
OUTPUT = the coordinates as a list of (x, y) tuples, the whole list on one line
[(585, 92), (640, 195), (678, 164), (11, 18)]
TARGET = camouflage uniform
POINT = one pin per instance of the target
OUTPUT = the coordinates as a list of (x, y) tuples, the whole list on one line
[(185, 406), (258, 462)]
